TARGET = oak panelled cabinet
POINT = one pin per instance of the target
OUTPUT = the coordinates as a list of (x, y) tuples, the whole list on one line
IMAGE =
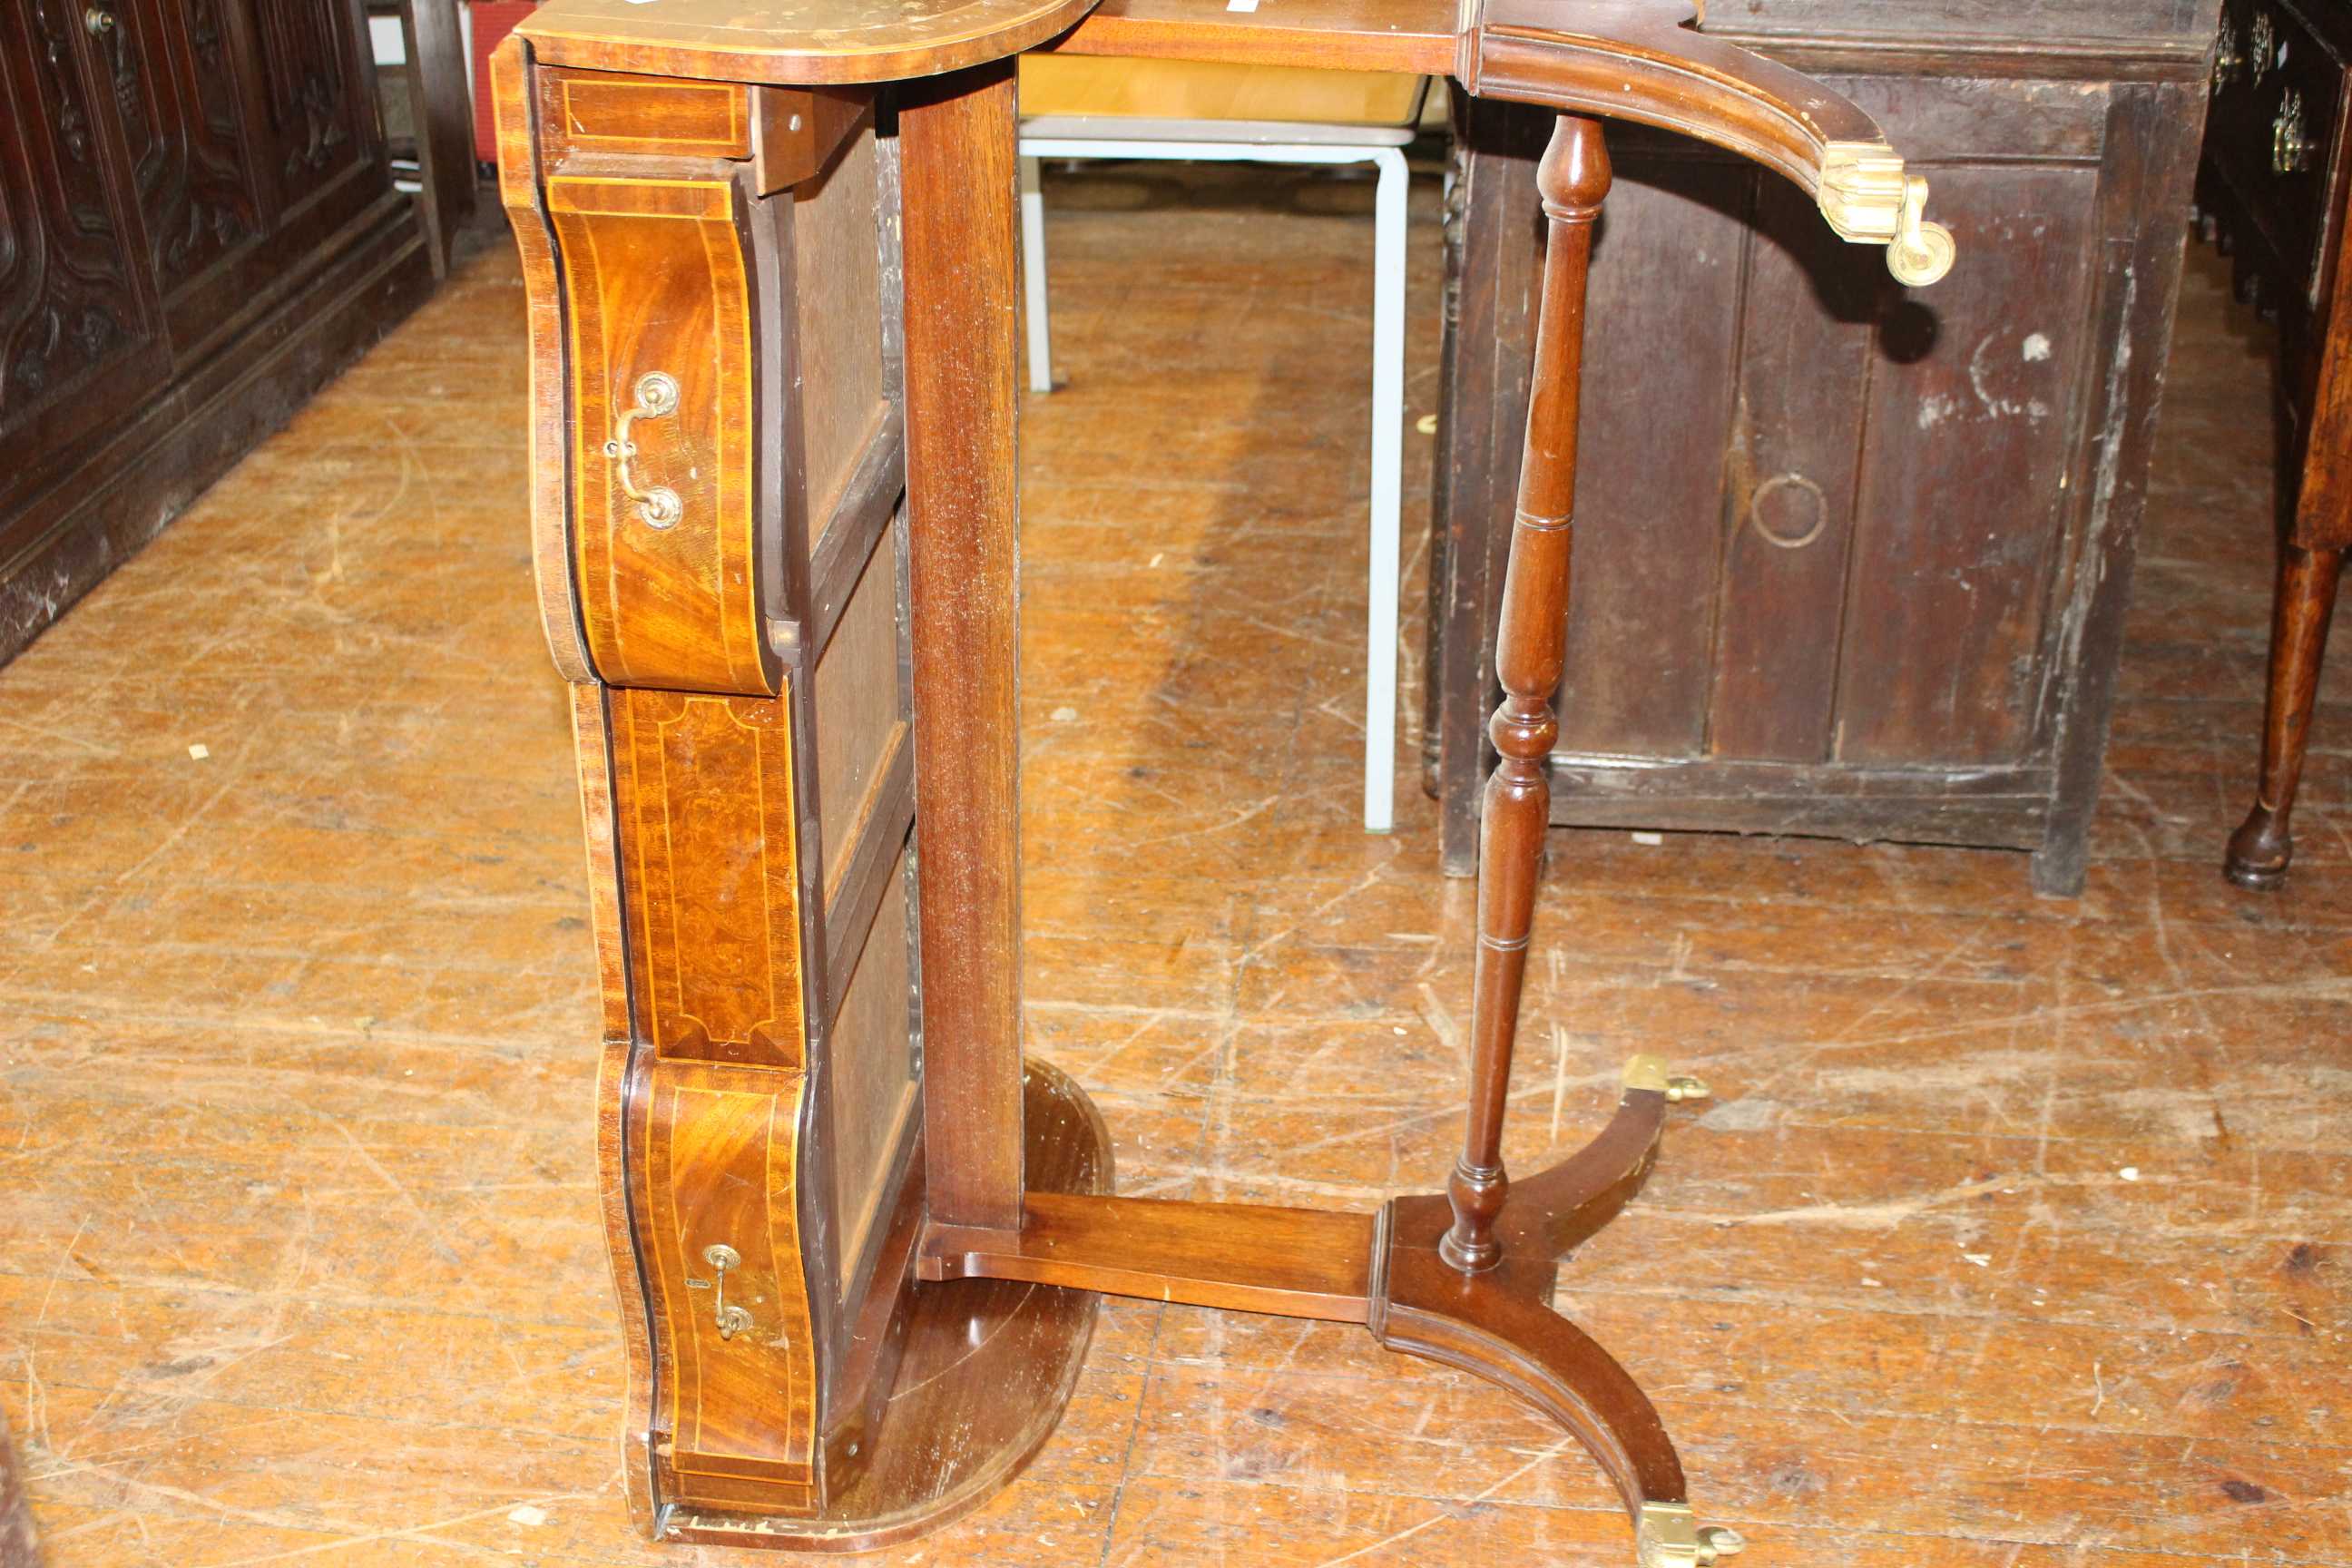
[(197, 227), (1855, 560)]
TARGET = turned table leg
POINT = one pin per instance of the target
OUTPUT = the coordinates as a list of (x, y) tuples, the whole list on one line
[(1529, 647), (1480, 1298), (2261, 848)]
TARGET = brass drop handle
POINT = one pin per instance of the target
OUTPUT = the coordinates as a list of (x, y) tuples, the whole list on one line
[(1920, 252), (2227, 56), (2262, 45), (657, 394), (731, 1321), (97, 22), (2291, 149)]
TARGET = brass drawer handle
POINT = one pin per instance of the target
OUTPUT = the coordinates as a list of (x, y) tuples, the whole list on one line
[(731, 1321), (2291, 149), (2262, 45), (2227, 55), (657, 397)]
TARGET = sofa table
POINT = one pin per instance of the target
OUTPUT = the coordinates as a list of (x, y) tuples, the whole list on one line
[(772, 259)]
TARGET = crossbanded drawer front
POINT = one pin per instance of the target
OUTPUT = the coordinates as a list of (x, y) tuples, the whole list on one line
[(605, 112), (705, 801), (657, 277), (737, 1348)]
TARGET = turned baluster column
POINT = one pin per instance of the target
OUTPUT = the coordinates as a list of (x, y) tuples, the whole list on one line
[(1573, 177)]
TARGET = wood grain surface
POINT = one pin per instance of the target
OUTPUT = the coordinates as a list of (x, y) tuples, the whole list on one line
[(658, 285), (2015, 1235), (1260, 1257), (1530, 639), (988, 1366), (1859, 556), (1415, 37), (703, 795), (18, 1549), (1065, 82), (550, 509), (962, 285), (794, 41), (738, 1405)]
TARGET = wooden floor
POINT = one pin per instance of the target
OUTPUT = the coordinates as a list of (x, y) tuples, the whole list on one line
[(2019, 1235)]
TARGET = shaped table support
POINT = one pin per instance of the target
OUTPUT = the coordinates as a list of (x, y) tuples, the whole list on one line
[(772, 264)]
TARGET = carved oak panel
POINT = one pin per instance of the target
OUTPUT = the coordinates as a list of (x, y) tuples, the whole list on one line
[(149, 262), (174, 89), (319, 120), (71, 306)]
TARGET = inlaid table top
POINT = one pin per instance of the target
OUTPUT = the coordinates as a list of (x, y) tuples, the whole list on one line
[(793, 41), (1627, 59), (1098, 87)]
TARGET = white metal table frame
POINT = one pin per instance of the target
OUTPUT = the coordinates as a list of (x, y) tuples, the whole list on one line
[(1265, 141)]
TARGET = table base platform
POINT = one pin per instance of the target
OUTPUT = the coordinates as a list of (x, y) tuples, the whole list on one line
[(988, 1367), (998, 1328)]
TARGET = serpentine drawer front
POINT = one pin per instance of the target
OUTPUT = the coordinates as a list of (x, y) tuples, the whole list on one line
[(686, 217), (720, 1216), (718, 478), (714, 934), (661, 397)]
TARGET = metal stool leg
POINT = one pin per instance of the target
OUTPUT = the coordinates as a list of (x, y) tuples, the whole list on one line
[(1388, 485), (1033, 277)]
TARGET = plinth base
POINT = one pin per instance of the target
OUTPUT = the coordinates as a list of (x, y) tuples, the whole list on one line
[(989, 1366)]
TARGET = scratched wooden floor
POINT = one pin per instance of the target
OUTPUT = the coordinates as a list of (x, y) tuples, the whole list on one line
[(2019, 1232)]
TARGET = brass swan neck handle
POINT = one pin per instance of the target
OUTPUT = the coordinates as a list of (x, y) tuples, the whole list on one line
[(657, 398)]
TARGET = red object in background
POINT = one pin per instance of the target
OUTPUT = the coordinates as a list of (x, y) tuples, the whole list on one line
[(493, 20)]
